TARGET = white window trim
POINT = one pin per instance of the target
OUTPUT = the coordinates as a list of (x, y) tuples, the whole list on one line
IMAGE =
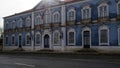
[(119, 36), (58, 16), (118, 8), (39, 39), (14, 40), (86, 29), (102, 28), (54, 37), (86, 7), (103, 4), (26, 38), (69, 12), (71, 30)]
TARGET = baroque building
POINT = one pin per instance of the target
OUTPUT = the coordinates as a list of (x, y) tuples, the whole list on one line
[(65, 26)]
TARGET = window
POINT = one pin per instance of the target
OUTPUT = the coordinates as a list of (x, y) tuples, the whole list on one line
[(56, 38), (38, 20), (47, 17), (28, 22), (86, 12), (6, 40), (20, 23), (118, 8), (103, 10), (71, 37), (13, 24), (104, 36), (56, 17), (118, 36), (6, 25), (28, 39), (38, 38), (13, 40), (71, 15)]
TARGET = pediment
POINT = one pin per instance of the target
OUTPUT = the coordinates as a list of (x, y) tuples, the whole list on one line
[(47, 3)]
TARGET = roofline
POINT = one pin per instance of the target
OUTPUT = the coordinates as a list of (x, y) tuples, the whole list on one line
[(32, 10)]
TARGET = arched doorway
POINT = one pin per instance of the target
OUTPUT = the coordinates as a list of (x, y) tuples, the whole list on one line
[(86, 39), (46, 41)]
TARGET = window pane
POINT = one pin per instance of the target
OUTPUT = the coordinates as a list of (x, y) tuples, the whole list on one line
[(13, 40), (6, 40), (56, 38), (37, 39), (104, 36), (71, 38)]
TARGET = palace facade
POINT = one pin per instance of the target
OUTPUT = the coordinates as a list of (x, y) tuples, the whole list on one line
[(65, 26)]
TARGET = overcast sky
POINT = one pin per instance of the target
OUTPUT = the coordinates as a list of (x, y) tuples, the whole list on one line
[(10, 7)]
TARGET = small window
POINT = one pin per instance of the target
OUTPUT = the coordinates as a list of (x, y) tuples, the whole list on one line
[(38, 20), (6, 25), (71, 15), (20, 23), (103, 10), (56, 17), (13, 24), (56, 38), (86, 13), (37, 39), (28, 22)]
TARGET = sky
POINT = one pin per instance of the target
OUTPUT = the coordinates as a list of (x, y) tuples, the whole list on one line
[(10, 7)]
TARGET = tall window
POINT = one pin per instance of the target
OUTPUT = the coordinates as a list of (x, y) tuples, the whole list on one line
[(28, 39), (86, 13), (104, 36), (13, 40), (28, 22), (6, 40), (47, 17), (118, 8), (103, 10), (37, 39), (71, 38), (118, 36), (20, 23), (38, 20), (6, 25), (56, 38), (71, 15), (13, 24), (56, 17)]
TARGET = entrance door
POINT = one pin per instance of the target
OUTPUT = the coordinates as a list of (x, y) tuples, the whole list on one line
[(86, 39), (20, 42), (46, 41)]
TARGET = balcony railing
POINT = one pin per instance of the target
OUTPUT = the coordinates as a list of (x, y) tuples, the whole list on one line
[(103, 19), (57, 24), (86, 21), (47, 25), (69, 23)]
